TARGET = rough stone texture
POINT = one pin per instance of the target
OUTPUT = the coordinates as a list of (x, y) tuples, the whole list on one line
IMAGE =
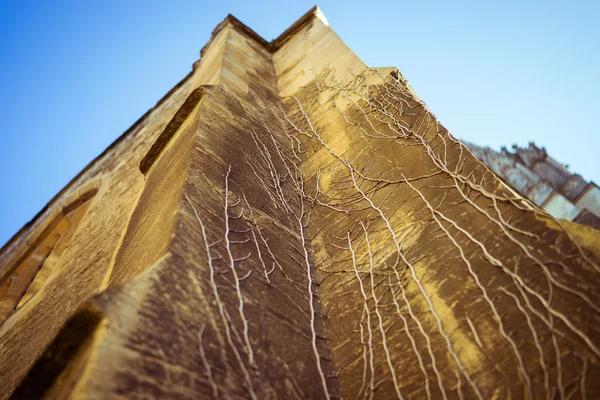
[(288, 223), (589, 199), (544, 181)]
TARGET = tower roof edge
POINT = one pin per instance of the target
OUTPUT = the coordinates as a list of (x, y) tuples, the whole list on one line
[(230, 20)]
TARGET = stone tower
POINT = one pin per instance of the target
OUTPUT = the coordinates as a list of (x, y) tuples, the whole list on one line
[(290, 223), (544, 181)]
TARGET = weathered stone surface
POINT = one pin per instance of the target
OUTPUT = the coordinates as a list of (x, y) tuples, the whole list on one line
[(288, 223), (544, 181)]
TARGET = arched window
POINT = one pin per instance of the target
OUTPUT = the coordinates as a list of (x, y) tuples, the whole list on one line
[(23, 278)]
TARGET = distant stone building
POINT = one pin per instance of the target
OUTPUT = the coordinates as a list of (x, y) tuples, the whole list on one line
[(544, 181), (289, 223)]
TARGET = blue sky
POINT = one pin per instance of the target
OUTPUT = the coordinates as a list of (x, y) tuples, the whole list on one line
[(74, 75)]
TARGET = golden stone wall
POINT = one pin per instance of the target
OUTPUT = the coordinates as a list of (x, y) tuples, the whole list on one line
[(288, 223)]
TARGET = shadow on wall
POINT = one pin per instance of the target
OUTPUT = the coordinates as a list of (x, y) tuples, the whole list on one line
[(28, 271)]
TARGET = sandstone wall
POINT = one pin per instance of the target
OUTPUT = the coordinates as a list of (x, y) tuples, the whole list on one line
[(289, 223)]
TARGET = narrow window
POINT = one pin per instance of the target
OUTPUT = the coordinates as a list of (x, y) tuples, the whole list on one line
[(25, 277)]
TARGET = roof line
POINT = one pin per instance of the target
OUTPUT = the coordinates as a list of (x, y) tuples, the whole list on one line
[(272, 47), (276, 44), (311, 14)]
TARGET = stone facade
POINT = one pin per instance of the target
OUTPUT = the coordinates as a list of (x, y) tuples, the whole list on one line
[(289, 223), (544, 181)]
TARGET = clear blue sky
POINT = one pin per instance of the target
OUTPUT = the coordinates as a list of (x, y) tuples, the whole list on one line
[(74, 75)]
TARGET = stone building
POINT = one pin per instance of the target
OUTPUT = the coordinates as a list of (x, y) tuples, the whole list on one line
[(544, 181), (290, 223)]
